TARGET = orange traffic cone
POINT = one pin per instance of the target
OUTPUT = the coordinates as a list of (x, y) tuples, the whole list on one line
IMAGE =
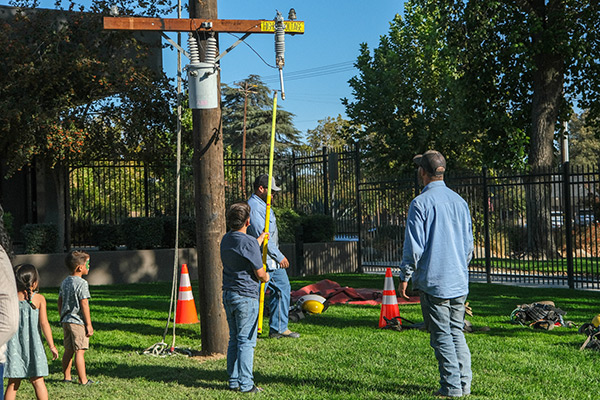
[(186, 308), (389, 305)]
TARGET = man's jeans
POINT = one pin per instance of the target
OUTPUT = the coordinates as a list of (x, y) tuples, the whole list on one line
[(444, 319), (242, 317), (1, 381), (279, 300)]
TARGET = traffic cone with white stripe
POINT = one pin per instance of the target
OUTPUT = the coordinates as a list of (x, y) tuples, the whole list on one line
[(389, 305), (186, 308)]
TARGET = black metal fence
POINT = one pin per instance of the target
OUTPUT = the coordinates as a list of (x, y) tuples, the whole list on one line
[(108, 192), (531, 229)]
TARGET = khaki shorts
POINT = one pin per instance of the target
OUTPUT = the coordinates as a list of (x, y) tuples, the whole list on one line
[(75, 338)]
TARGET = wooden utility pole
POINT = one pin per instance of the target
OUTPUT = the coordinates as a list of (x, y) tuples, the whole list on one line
[(209, 175), (209, 183)]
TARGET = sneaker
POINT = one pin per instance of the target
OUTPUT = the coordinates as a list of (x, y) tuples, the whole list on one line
[(89, 382), (255, 389), (287, 334)]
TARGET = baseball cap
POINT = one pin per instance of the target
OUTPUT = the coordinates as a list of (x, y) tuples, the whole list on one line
[(432, 161), (263, 180)]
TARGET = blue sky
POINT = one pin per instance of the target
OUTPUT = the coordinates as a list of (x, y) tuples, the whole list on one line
[(318, 64)]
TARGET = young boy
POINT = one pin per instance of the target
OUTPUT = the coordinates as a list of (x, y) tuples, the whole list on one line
[(74, 310), (242, 271)]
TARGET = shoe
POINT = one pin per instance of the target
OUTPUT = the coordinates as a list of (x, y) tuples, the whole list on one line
[(255, 389), (89, 382), (287, 334)]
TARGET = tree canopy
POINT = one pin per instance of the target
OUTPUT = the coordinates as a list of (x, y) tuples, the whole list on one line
[(259, 114), (483, 81), (69, 90), (330, 132)]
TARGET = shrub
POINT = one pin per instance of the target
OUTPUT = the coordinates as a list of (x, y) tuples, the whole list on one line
[(8, 218), (287, 222), (107, 237), (317, 228), (143, 233), (40, 238), (187, 232)]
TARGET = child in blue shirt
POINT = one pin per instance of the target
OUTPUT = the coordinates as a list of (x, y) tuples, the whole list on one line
[(242, 273)]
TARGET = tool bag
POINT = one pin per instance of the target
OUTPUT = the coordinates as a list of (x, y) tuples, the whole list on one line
[(541, 315)]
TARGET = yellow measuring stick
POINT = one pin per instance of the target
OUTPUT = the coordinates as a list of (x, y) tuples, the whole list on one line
[(261, 300)]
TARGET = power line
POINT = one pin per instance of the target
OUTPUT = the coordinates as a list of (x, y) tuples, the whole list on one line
[(313, 72)]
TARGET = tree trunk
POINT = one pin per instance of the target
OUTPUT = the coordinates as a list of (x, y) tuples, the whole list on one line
[(209, 178), (548, 80)]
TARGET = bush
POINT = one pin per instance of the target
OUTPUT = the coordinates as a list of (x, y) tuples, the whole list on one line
[(317, 228), (287, 222), (187, 232), (143, 233), (8, 218), (107, 237), (40, 238)]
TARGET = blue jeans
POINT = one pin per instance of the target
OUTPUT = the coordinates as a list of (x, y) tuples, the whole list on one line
[(279, 300), (242, 318), (444, 319), (1, 381)]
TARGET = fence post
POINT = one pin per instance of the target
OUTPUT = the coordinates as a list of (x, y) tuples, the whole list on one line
[(568, 225), (325, 182), (486, 227), (358, 206), (146, 194), (295, 183)]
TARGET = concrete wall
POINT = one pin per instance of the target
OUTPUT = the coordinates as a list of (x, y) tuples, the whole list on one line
[(132, 266)]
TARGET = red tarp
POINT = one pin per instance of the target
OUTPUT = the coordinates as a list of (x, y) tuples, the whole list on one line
[(336, 294)]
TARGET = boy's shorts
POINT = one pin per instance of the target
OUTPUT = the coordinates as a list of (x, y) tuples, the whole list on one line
[(75, 337)]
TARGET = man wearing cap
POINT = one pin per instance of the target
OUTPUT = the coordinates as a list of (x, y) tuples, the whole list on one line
[(279, 285), (438, 247)]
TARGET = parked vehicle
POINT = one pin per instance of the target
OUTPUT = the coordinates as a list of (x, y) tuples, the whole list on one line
[(557, 219), (586, 217)]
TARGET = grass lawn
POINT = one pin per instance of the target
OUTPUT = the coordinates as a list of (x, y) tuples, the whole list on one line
[(340, 355)]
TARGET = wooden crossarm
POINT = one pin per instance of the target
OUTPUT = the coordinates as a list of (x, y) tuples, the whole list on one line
[(196, 24)]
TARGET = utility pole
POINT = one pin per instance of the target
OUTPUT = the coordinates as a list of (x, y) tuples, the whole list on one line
[(246, 92), (209, 178)]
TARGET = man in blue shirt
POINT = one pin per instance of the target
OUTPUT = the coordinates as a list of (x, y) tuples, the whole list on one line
[(277, 263), (438, 247)]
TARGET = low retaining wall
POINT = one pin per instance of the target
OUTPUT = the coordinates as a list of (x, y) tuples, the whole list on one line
[(132, 266)]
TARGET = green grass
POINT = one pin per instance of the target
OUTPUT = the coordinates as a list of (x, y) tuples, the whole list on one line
[(340, 355)]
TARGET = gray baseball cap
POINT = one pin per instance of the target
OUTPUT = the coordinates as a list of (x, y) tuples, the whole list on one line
[(432, 161), (263, 180)]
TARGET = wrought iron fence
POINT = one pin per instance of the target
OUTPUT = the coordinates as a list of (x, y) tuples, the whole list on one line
[(533, 229), (105, 193), (528, 228)]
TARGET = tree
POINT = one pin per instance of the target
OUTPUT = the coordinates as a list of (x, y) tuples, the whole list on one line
[(331, 132), (584, 142), (67, 93), (485, 82), (259, 114)]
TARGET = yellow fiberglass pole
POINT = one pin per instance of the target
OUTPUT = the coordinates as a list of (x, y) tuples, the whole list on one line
[(261, 301)]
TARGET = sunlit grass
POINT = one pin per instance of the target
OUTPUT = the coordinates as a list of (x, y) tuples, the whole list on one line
[(341, 354)]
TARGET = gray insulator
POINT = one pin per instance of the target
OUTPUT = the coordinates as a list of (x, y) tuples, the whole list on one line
[(211, 50), (194, 51), (279, 43)]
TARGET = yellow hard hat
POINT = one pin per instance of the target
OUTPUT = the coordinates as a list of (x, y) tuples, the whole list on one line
[(596, 321), (313, 306)]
